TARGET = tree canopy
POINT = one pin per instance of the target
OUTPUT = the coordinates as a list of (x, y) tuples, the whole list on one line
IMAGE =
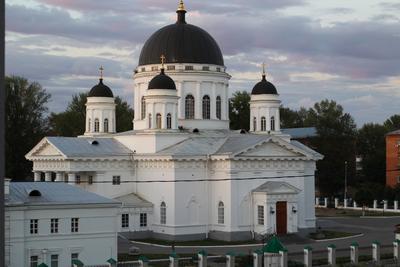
[(71, 122), (26, 124), (239, 111)]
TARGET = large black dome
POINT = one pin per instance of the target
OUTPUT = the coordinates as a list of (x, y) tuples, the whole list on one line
[(100, 90), (264, 87), (181, 43), (162, 81)]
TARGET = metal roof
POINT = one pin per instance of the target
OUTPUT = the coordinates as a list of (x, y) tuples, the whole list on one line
[(133, 200), (303, 132), (52, 193), (397, 132), (84, 147)]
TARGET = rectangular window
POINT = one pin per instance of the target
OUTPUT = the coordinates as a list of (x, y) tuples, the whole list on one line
[(34, 261), (116, 180), (74, 256), (206, 68), (54, 226), (125, 220), (74, 225), (154, 68), (218, 69), (260, 215), (143, 69), (90, 179), (171, 67), (189, 68), (54, 261), (143, 219), (34, 226), (77, 179)]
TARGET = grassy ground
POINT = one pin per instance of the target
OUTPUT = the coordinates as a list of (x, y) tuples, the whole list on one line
[(206, 242), (329, 212), (326, 234)]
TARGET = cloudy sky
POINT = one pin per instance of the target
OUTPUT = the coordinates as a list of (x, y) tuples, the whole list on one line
[(346, 50)]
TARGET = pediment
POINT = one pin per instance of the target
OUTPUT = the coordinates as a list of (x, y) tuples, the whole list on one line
[(44, 149), (270, 149), (276, 188)]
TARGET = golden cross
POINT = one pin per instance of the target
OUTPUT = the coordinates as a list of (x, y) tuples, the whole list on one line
[(162, 61), (101, 72), (181, 6)]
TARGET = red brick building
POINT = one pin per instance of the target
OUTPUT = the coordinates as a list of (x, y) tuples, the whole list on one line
[(393, 158)]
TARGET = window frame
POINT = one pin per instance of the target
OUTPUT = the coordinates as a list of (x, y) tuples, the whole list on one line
[(150, 122), (34, 261), (169, 121), (143, 219), (254, 124), (77, 179), (125, 220), (116, 180), (263, 124), (106, 128), (96, 125), (54, 225), (218, 107), (221, 212), (163, 213), (189, 107), (206, 107), (272, 121), (260, 215), (143, 108), (75, 225), (54, 258), (90, 179), (34, 226), (158, 121)]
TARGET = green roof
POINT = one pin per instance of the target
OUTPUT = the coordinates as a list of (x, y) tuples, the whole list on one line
[(354, 244), (274, 246), (173, 255), (77, 262), (43, 265), (203, 252), (143, 258), (111, 261)]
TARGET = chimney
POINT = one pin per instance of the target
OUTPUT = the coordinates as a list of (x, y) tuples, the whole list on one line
[(6, 187)]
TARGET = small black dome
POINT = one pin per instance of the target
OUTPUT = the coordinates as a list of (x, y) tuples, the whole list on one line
[(100, 90), (264, 88), (162, 81), (181, 43)]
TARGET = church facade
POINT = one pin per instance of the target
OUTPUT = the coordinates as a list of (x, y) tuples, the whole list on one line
[(181, 173)]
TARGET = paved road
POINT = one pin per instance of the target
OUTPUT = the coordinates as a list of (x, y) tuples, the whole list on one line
[(373, 229)]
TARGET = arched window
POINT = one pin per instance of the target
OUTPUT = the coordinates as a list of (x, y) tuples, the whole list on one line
[(221, 212), (158, 121), (163, 213), (106, 125), (272, 123), (143, 108), (218, 107), (263, 124), (89, 125), (96, 125), (169, 121), (149, 121), (254, 124), (206, 107), (189, 107)]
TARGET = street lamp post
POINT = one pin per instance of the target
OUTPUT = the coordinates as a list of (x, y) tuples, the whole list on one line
[(345, 180)]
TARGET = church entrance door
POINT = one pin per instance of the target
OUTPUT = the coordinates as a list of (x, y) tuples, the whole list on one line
[(281, 217)]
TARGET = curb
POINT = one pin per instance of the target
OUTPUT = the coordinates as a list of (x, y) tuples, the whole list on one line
[(339, 238), (220, 246)]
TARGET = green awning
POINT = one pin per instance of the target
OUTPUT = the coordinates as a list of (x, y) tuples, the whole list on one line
[(274, 246), (43, 265), (77, 263)]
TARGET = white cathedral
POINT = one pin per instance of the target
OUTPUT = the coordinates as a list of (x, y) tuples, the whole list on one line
[(181, 173)]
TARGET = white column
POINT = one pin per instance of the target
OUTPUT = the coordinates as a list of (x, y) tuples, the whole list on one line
[(376, 252), (396, 250), (37, 176), (336, 203), (174, 117), (230, 260), (213, 103), (198, 101), (375, 204), (48, 176), (354, 204), (164, 116), (326, 202), (316, 201), (59, 176), (181, 101), (332, 255), (153, 116), (396, 205), (257, 258), (71, 178), (354, 253), (173, 260), (345, 203), (308, 256), (283, 258), (385, 205), (202, 259)]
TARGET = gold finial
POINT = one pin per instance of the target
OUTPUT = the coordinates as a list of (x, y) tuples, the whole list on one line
[(181, 6), (101, 72), (162, 61)]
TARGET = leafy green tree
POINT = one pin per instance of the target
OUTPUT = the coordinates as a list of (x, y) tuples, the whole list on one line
[(294, 118), (336, 141), (393, 123), (239, 111), (25, 123), (364, 197), (371, 149), (71, 122)]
